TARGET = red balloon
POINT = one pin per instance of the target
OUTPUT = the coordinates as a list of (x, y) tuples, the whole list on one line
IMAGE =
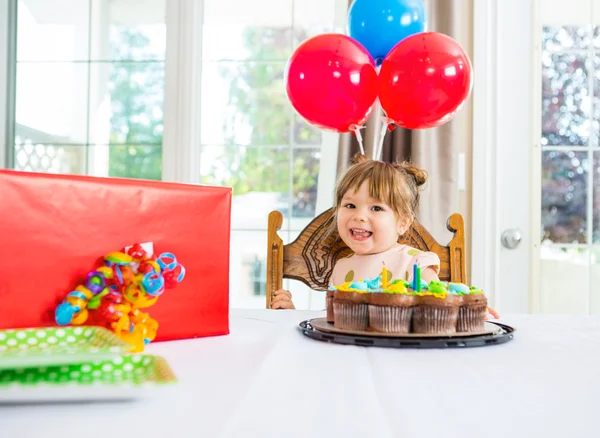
[(424, 80), (331, 81)]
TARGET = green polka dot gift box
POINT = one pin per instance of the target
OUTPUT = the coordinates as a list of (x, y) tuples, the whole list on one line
[(55, 346), (74, 363)]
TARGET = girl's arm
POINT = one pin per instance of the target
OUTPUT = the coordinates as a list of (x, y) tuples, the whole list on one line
[(429, 274)]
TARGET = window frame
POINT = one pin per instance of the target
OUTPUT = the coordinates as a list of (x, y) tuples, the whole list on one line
[(560, 13), (496, 87), (8, 67)]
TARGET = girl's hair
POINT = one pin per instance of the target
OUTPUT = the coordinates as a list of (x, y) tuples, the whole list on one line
[(395, 184)]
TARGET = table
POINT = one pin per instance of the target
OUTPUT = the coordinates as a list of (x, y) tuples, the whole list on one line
[(266, 379)]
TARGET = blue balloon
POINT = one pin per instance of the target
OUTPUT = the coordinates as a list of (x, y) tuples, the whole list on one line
[(381, 24)]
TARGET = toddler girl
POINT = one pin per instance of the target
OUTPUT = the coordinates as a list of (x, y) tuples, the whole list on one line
[(375, 204)]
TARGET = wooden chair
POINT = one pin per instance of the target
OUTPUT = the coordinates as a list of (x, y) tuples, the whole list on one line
[(311, 257)]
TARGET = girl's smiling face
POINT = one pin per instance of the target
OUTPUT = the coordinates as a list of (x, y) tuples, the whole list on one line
[(367, 225)]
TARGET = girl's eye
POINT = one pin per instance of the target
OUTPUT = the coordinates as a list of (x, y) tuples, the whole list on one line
[(349, 206), (377, 208)]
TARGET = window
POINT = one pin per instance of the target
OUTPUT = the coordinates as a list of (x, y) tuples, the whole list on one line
[(258, 274), (570, 161), (100, 81), (250, 137), (90, 87)]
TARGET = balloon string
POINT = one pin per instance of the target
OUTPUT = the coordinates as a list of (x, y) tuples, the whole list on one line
[(379, 141), (379, 151), (360, 140)]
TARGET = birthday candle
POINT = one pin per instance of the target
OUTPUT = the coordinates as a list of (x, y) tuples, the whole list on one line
[(416, 278), (384, 284), (414, 282)]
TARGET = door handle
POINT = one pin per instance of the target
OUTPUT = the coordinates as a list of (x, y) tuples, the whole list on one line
[(511, 238)]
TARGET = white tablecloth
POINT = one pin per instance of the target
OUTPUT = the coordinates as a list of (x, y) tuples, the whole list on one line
[(266, 379)]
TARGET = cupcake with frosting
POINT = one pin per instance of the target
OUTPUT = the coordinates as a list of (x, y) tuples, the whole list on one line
[(329, 304), (436, 310), (390, 310), (473, 309), (351, 306)]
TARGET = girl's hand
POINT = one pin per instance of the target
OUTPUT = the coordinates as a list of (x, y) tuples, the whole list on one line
[(492, 314), (282, 300)]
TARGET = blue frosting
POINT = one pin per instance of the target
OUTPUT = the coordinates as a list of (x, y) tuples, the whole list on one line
[(358, 285), (374, 283), (458, 288)]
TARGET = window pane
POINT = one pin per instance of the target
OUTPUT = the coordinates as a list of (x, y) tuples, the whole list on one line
[(245, 103), (564, 280), (563, 38), (128, 30), (237, 30), (259, 176), (48, 157), (306, 172), (596, 100), (126, 161), (308, 24), (597, 37), (51, 102), (596, 213), (564, 196), (54, 30), (305, 133), (595, 280), (247, 274), (135, 161), (566, 101), (127, 103), (82, 102)]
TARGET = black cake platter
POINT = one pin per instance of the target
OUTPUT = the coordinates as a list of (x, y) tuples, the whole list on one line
[(494, 333)]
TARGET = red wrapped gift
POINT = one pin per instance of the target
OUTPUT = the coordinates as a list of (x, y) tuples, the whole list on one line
[(54, 229)]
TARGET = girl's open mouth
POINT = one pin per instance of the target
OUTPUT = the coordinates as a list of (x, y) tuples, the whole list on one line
[(360, 234)]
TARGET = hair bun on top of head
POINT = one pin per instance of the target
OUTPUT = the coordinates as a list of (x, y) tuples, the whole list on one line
[(419, 175), (358, 158)]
